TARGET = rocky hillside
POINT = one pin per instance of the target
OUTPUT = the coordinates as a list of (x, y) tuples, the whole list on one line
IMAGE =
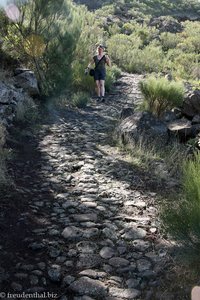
[(180, 9)]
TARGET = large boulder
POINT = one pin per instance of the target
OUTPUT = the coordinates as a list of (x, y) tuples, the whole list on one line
[(183, 129), (142, 125), (26, 79), (10, 97), (9, 94), (191, 104)]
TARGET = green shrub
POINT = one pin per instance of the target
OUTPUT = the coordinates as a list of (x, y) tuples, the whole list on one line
[(112, 74), (182, 219), (169, 40), (150, 59), (80, 99), (160, 94)]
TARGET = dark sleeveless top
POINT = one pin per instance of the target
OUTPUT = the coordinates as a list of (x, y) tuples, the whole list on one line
[(101, 65)]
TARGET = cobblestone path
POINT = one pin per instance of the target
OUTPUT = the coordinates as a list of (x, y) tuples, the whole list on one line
[(87, 224)]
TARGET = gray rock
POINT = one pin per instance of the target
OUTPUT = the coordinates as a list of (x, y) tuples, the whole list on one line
[(191, 104), (85, 217), (33, 279), (21, 276), (133, 283), (67, 280), (141, 245), (93, 274), (90, 287), (143, 265), (126, 112), (110, 233), (16, 286), (27, 267), (37, 272), (53, 252), (196, 119), (42, 266), (68, 203), (118, 262), (36, 246), (91, 233), (134, 234), (28, 82), (72, 233), (145, 124), (54, 232), (86, 247), (54, 273), (88, 260), (69, 263), (107, 252), (124, 293)]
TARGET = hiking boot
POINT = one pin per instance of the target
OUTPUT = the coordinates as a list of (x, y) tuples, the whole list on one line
[(102, 99)]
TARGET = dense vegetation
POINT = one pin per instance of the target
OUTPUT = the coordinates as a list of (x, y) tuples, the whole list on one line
[(57, 39)]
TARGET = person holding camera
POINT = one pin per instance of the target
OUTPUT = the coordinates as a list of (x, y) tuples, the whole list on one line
[(100, 60)]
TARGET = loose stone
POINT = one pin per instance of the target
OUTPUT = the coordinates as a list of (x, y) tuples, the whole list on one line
[(118, 262), (88, 286), (54, 273), (107, 252), (124, 293)]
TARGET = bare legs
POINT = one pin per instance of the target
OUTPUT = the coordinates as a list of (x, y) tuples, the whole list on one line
[(100, 88)]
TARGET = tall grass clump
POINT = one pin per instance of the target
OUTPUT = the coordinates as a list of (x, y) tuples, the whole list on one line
[(80, 99), (161, 94), (182, 219)]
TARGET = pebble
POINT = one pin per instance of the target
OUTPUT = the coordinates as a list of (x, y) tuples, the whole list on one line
[(54, 273)]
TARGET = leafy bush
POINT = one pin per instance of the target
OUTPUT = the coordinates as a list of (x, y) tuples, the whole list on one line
[(49, 39), (182, 220), (169, 40), (112, 74), (160, 94), (80, 99), (150, 59)]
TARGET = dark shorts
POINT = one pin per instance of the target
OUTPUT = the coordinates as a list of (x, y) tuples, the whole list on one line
[(100, 74)]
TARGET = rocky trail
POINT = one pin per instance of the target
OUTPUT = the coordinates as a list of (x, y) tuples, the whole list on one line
[(81, 221)]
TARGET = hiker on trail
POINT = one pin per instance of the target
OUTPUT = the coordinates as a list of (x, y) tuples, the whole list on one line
[(100, 60)]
